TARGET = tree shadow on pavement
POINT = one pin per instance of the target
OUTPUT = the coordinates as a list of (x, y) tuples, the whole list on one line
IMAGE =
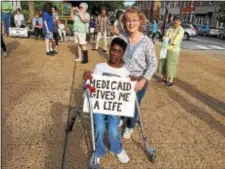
[(213, 103), (11, 46), (194, 109)]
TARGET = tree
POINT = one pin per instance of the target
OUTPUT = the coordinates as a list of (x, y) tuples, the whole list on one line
[(31, 10), (221, 13)]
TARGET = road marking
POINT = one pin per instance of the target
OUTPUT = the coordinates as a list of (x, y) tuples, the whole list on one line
[(202, 47), (217, 47)]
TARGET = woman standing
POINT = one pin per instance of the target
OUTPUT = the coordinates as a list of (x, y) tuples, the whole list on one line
[(168, 66), (140, 57)]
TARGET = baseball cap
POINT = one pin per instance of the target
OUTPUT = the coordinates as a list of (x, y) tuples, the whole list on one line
[(83, 5)]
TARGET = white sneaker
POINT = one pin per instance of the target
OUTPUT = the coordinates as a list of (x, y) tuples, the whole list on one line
[(98, 160), (127, 133), (123, 157)]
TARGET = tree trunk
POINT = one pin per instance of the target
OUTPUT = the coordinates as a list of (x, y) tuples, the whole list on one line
[(31, 10)]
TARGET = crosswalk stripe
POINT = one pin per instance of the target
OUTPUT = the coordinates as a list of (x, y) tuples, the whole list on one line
[(217, 47), (202, 47)]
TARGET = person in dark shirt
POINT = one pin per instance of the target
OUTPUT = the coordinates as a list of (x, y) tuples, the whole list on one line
[(92, 27)]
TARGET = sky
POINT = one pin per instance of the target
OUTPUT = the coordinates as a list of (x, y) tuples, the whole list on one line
[(129, 2)]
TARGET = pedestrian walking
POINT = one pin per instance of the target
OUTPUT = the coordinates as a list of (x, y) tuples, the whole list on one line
[(81, 27), (37, 23), (118, 25), (92, 27), (168, 65), (3, 46), (154, 30), (103, 24), (56, 26), (61, 29), (114, 68), (140, 58), (6, 15), (19, 19), (48, 28)]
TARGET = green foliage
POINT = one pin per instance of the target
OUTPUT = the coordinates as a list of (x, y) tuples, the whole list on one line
[(94, 7), (26, 14), (221, 12), (38, 5)]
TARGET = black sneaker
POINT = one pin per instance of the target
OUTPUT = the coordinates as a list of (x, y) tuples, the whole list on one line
[(53, 52), (169, 84), (50, 54)]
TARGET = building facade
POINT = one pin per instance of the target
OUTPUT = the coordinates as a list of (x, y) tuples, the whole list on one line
[(187, 11), (151, 9), (206, 13)]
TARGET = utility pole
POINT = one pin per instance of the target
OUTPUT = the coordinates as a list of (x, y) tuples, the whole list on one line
[(165, 18)]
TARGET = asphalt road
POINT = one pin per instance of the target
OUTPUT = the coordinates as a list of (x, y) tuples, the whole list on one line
[(204, 43)]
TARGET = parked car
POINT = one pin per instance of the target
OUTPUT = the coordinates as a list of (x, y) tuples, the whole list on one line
[(189, 30), (222, 34), (205, 30)]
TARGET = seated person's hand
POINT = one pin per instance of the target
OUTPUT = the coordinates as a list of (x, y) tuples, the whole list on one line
[(87, 75)]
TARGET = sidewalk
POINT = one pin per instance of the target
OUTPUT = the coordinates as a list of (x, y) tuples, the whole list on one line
[(185, 123)]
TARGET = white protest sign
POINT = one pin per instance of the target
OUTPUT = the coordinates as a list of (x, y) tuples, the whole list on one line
[(113, 96)]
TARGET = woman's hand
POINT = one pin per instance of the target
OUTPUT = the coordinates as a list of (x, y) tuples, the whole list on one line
[(140, 84), (87, 75)]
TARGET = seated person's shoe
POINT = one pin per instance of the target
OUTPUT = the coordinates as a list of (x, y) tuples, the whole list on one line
[(123, 157)]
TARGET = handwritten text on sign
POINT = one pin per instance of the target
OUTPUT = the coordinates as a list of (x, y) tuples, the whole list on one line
[(113, 96)]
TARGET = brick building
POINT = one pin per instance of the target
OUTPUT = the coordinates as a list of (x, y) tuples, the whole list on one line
[(187, 11), (151, 9)]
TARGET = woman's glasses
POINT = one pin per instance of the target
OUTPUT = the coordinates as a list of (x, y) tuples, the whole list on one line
[(132, 20)]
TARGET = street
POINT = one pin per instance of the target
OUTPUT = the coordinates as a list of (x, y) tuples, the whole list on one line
[(203, 43), (185, 123)]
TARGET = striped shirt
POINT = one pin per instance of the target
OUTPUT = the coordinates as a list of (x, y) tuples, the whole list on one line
[(141, 60)]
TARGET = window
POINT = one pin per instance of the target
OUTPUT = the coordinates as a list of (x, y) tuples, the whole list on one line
[(184, 4)]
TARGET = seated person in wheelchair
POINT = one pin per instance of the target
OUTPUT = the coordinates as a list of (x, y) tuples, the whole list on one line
[(114, 67)]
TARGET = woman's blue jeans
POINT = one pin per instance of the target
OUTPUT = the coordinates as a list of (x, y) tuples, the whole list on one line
[(131, 122), (111, 122), (6, 18)]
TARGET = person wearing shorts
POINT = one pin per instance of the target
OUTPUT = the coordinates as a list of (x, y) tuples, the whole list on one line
[(48, 28), (80, 27)]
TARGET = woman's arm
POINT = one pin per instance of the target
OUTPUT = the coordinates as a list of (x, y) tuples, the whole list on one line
[(178, 37), (151, 60), (84, 17)]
